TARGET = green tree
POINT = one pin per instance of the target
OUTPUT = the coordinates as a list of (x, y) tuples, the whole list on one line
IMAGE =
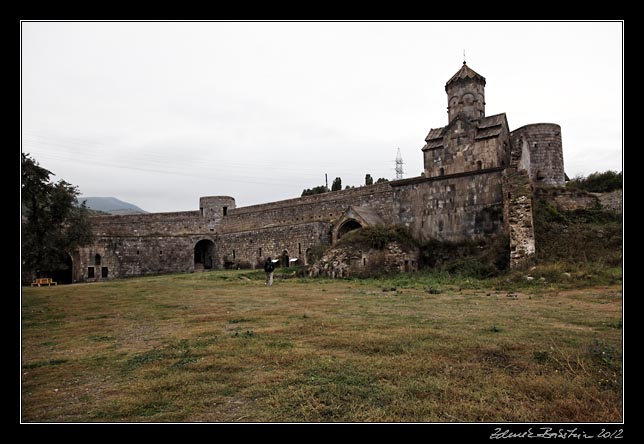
[(52, 221), (381, 180), (315, 190), (368, 180), (337, 184)]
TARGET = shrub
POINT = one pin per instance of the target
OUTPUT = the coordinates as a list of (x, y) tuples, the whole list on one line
[(377, 237), (597, 182)]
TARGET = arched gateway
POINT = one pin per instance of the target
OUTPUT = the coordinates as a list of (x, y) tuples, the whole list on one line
[(204, 255)]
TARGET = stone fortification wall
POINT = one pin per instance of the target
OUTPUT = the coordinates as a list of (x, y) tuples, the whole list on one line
[(451, 208), (251, 248), (151, 224), (326, 207), (137, 255)]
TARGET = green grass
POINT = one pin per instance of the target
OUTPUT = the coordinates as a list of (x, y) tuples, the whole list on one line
[(220, 346)]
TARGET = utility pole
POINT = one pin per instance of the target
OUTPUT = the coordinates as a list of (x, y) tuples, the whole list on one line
[(399, 166), (326, 181)]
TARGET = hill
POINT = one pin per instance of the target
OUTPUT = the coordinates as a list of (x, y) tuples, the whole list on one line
[(111, 205)]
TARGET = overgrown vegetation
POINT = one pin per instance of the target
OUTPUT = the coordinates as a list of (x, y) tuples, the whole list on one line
[(480, 259), (378, 236), (580, 236), (418, 347), (597, 182)]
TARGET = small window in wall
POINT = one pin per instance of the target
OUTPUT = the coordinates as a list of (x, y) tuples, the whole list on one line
[(479, 165), (233, 254), (260, 251), (97, 259), (104, 272), (225, 211), (201, 211), (160, 252), (441, 172), (137, 252), (299, 247), (90, 272)]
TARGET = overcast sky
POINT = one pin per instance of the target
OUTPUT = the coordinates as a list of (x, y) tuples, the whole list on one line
[(159, 114)]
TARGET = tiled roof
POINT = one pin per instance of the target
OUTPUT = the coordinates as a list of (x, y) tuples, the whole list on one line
[(465, 73), (437, 143), (488, 132), (494, 120), (434, 133), (489, 126)]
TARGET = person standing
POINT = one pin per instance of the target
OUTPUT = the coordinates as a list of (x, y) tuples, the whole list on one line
[(269, 267)]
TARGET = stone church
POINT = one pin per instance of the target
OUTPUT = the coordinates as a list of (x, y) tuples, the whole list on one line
[(478, 181)]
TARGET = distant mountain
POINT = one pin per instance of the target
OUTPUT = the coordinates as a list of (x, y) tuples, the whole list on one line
[(111, 205)]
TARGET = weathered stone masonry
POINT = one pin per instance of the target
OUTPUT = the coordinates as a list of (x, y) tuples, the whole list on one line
[(478, 181)]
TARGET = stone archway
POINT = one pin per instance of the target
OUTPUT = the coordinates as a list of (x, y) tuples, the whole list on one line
[(308, 257), (64, 274), (353, 219), (204, 255), (284, 259), (348, 225)]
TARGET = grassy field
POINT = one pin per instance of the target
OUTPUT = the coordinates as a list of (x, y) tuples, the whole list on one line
[(220, 346)]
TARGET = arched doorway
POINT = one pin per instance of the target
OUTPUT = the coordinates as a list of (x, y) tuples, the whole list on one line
[(284, 259), (63, 274), (204, 252), (349, 225), (308, 256)]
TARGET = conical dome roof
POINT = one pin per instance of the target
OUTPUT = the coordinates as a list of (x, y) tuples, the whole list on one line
[(465, 73)]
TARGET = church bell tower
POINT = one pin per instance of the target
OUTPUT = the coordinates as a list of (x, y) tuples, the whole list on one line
[(466, 94)]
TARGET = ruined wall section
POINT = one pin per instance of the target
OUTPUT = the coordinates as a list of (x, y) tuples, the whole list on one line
[(537, 148), (613, 201), (452, 208), (517, 210)]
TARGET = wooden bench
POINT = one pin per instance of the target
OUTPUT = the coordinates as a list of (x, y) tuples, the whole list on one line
[(43, 281)]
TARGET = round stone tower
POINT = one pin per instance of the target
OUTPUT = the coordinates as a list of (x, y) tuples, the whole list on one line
[(466, 94), (537, 149), (214, 208)]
